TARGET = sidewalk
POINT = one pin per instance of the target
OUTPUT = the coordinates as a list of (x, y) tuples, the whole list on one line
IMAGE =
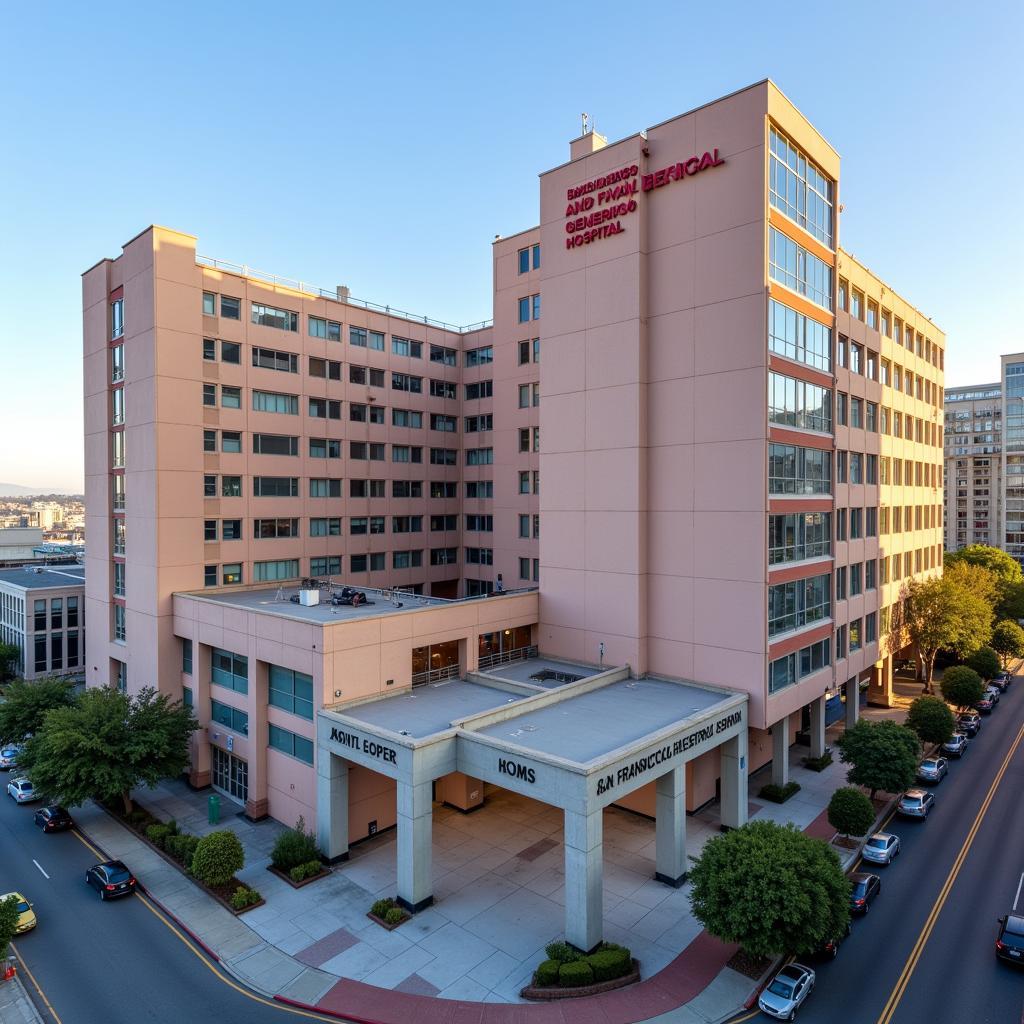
[(499, 883), (15, 1005)]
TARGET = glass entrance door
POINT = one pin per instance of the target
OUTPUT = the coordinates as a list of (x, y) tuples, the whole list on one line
[(230, 774)]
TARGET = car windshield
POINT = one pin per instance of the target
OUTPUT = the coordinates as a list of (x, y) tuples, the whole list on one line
[(117, 875), (8, 752), (23, 907), (780, 987), (877, 843), (930, 763), (1015, 939), (911, 801)]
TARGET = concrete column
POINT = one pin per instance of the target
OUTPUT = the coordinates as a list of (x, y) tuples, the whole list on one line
[(817, 710), (780, 752), (733, 808), (332, 806), (880, 686), (199, 772), (852, 689), (257, 806), (584, 871), (415, 845), (670, 862)]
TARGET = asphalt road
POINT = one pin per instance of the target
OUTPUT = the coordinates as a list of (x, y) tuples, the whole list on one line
[(952, 975), (117, 962)]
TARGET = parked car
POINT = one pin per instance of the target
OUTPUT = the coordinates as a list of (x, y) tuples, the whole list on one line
[(830, 950), (986, 704), (956, 745), (110, 879), (26, 915), (787, 991), (992, 691), (1003, 681), (915, 803), (9, 757), (1010, 940), (22, 791), (968, 722), (865, 887), (53, 819), (932, 769), (881, 848)]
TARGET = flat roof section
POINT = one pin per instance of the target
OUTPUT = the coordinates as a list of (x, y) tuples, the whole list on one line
[(587, 726), (544, 672), (278, 601), (44, 577), (428, 709)]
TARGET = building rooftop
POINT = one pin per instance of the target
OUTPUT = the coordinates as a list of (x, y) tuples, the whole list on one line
[(39, 577), (545, 672), (428, 709), (587, 726)]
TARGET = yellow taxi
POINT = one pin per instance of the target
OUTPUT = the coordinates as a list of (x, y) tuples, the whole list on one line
[(26, 915)]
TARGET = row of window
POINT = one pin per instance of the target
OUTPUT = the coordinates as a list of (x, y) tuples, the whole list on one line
[(865, 363), (792, 265), (288, 528), (867, 310), (360, 451), (791, 668), (66, 650), (861, 632), (231, 487), (56, 619), (798, 603)]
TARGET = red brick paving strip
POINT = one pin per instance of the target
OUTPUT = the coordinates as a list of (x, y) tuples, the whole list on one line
[(326, 948)]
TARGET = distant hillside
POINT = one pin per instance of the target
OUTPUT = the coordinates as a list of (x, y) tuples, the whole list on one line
[(18, 491)]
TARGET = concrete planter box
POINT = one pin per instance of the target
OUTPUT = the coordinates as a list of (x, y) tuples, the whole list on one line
[(285, 877), (389, 927)]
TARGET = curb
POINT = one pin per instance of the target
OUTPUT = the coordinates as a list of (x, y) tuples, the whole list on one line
[(327, 1013), (759, 985)]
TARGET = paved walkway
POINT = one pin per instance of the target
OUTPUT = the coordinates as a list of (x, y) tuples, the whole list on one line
[(15, 1005)]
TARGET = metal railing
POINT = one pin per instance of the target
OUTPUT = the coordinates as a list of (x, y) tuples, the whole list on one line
[(435, 675), (503, 657), (333, 293)]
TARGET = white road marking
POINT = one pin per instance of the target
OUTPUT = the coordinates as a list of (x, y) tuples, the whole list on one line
[(45, 875), (1017, 897)]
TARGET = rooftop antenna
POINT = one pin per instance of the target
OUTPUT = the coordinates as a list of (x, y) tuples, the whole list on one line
[(585, 118)]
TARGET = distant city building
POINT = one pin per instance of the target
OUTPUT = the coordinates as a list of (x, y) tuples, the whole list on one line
[(42, 612), (18, 542)]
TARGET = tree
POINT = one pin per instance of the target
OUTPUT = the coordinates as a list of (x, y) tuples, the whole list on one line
[(108, 743), (883, 755), (985, 662), (850, 812), (962, 686), (931, 719), (1005, 569), (771, 888), (9, 918), (981, 582), (1008, 640), (218, 856), (10, 659), (943, 612), (28, 704)]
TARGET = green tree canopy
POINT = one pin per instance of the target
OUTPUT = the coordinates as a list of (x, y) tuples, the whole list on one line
[(931, 719), (882, 755), (9, 918), (944, 613), (1008, 640), (28, 704), (107, 744), (985, 662), (771, 888), (962, 686), (1004, 568), (850, 811), (10, 659)]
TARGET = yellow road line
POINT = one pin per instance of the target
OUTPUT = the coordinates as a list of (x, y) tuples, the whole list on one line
[(915, 954), (38, 987)]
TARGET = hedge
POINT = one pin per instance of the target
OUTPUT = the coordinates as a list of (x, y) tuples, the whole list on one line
[(575, 974), (547, 972)]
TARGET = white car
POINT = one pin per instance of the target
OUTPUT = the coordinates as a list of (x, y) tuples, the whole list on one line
[(881, 848), (21, 791), (787, 991)]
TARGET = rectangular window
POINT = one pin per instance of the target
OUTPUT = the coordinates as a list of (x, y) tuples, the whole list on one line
[(798, 188), (272, 401), (290, 744), (444, 456), (841, 583), (229, 670), (406, 488), (529, 308), (792, 265), (275, 444), (796, 403), (857, 412), (209, 530), (479, 424), (119, 535), (791, 668), (408, 418), (116, 364), (856, 587), (324, 488), (479, 488), (229, 717), (231, 573), (444, 556), (271, 359), (798, 603), (265, 529), (856, 360), (324, 368), (444, 356), (443, 489), (325, 527), (230, 308), (231, 529), (325, 408), (406, 524), (479, 356), (268, 316), (118, 579), (329, 565), (481, 389), (324, 448), (793, 470), (291, 691), (405, 347), (841, 642), (797, 337), (209, 394), (281, 569), (442, 524), (230, 441), (406, 559), (479, 556), (791, 538), (230, 352), (445, 424), (275, 486), (209, 575), (406, 382), (855, 635), (479, 456), (230, 398), (475, 523), (209, 304)]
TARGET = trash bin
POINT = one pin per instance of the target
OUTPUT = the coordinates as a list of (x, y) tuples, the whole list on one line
[(213, 808)]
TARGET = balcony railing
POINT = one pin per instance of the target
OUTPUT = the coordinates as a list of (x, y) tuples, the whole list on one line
[(435, 675), (503, 657)]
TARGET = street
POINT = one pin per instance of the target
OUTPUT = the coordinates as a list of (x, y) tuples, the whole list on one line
[(109, 963), (886, 971)]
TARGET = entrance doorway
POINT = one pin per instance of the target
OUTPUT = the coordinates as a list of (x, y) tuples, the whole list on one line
[(230, 775)]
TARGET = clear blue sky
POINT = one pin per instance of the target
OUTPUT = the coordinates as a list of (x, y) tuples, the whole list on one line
[(384, 145)]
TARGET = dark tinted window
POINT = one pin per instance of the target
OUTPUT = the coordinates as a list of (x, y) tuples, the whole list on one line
[(116, 874)]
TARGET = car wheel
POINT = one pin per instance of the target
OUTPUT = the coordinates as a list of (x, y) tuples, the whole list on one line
[(102, 895), (867, 907), (792, 1015)]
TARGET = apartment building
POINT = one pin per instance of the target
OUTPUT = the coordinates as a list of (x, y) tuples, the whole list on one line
[(736, 425), (973, 437)]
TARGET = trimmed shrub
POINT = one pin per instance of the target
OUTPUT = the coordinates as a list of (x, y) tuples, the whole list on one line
[(158, 835), (610, 963), (850, 812), (394, 915), (779, 794), (818, 764), (304, 871), (182, 848), (294, 847), (547, 972), (244, 897), (576, 974), (138, 817), (562, 952), (217, 857), (381, 907)]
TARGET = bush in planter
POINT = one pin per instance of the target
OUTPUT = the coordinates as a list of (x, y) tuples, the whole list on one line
[(157, 835), (304, 871), (218, 856), (850, 812), (294, 847), (576, 974), (610, 963), (380, 908), (562, 952), (182, 848), (138, 818), (394, 915), (547, 972), (818, 764), (779, 794), (244, 897)]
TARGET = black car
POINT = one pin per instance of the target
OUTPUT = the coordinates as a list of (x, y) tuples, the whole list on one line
[(1010, 940), (53, 819), (830, 950), (110, 879), (865, 888)]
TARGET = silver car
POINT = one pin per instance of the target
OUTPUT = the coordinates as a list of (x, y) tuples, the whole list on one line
[(881, 848), (956, 745), (9, 757), (932, 769), (787, 991), (21, 791), (915, 803)]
